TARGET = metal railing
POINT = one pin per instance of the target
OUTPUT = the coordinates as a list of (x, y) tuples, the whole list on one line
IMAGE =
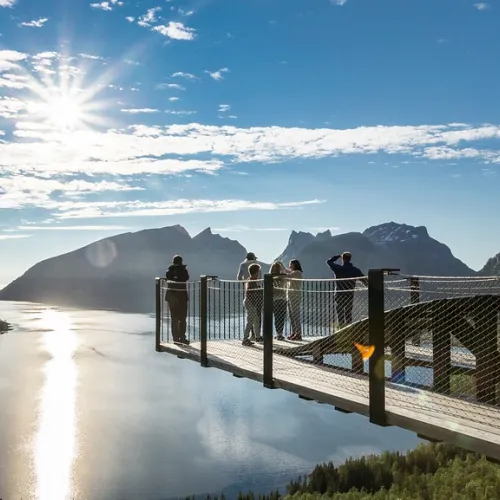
[(400, 338)]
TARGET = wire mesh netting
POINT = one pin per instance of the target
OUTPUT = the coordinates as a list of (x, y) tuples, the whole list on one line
[(234, 318), (327, 331), (180, 311), (442, 346)]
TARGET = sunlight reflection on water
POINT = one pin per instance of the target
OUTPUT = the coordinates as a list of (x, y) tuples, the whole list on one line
[(55, 446)]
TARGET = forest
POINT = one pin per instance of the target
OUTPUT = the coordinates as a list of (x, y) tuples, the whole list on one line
[(429, 472)]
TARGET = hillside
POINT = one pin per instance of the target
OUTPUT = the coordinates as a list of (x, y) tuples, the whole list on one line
[(492, 267), (117, 273), (392, 245)]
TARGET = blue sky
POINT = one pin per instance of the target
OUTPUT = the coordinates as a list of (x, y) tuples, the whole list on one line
[(253, 117)]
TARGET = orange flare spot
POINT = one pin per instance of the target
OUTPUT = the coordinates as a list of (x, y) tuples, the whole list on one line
[(366, 351)]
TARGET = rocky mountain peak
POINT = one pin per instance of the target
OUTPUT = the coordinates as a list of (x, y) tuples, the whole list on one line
[(394, 232)]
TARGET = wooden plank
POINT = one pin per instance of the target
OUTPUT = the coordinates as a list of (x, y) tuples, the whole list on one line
[(429, 414)]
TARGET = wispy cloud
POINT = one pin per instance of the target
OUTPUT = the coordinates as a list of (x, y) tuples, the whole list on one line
[(92, 57), (482, 6), (35, 23), (181, 112), (173, 99), (163, 86), (7, 3), (223, 108), (96, 210), (72, 228), (135, 111), (176, 31), (13, 236), (9, 59), (148, 18), (107, 5), (181, 74), (217, 75), (338, 2)]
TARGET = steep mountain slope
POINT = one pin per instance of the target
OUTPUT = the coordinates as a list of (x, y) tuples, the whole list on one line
[(392, 245), (117, 272), (492, 267), (299, 240)]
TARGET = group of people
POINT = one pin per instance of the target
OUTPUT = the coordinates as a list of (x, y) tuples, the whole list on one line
[(287, 295)]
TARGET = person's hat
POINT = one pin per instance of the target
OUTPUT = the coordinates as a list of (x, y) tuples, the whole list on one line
[(177, 260), (251, 256)]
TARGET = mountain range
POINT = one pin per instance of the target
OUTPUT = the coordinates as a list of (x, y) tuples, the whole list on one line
[(117, 273)]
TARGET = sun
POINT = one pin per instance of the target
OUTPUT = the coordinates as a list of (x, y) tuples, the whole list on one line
[(63, 112)]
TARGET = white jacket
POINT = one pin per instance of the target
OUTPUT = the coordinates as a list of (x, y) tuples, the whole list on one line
[(243, 273)]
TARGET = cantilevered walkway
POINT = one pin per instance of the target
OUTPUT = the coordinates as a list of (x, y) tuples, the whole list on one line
[(421, 353)]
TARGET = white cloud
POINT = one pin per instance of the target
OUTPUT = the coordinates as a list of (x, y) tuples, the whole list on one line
[(163, 86), (170, 150), (148, 18), (19, 191), (338, 2), (13, 236), (130, 19), (181, 74), (92, 57), (482, 6), (10, 107), (99, 209), (10, 59), (181, 112), (223, 108), (139, 110), (35, 23), (217, 75), (173, 99), (107, 5), (176, 31), (13, 81), (7, 3), (72, 228)]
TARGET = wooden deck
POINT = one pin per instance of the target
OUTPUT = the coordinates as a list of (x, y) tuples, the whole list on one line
[(432, 416)]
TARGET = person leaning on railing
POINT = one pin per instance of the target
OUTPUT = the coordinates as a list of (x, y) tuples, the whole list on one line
[(294, 276), (279, 299), (177, 297), (253, 302)]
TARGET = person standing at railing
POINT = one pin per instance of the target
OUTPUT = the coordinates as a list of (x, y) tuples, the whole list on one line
[(279, 299), (253, 303), (177, 298), (294, 277), (243, 270), (344, 294)]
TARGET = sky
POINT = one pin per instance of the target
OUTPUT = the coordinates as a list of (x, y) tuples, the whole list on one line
[(253, 117)]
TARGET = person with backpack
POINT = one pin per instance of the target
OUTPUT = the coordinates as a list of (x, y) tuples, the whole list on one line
[(177, 297)]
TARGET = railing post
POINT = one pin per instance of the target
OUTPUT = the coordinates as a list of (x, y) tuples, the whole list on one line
[(376, 336), (203, 320), (415, 290), (158, 318), (268, 331)]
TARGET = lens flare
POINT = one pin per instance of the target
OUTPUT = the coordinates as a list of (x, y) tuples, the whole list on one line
[(366, 351)]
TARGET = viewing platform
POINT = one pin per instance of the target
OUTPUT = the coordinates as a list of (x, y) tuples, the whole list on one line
[(421, 353)]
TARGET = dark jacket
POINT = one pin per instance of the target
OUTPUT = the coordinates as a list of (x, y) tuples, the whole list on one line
[(177, 277), (344, 271)]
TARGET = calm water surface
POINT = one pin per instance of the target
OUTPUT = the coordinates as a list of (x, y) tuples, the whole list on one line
[(89, 411)]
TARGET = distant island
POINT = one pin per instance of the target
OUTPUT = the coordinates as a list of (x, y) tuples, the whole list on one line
[(117, 273), (4, 327), (430, 472)]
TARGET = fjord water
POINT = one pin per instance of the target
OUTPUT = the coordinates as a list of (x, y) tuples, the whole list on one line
[(88, 410)]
